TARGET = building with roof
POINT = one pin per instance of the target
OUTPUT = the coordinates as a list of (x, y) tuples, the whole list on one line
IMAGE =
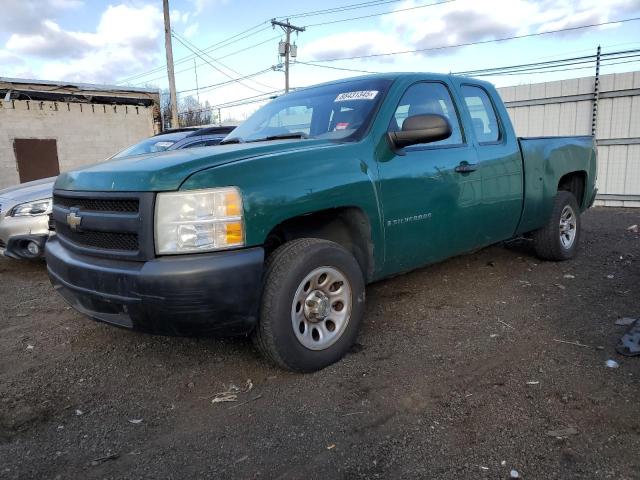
[(49, 127)]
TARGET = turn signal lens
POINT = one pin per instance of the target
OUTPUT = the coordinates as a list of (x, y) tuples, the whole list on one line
[(234, 233)]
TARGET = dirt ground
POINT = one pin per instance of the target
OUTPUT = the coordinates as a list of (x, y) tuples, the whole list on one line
[(459, 372)]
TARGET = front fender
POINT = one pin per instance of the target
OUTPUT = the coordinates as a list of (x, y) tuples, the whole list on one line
[(279, 187)]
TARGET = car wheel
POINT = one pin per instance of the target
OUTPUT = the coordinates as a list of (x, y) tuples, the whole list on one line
[(312, 305), (558, 239)]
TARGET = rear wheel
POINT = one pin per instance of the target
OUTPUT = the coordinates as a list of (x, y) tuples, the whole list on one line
[(312, 305), (558, 239)]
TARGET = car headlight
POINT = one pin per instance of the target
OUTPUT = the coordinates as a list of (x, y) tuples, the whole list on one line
[(198, 221), (31, 209)]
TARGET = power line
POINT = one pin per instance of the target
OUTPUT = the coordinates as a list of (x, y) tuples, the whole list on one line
[(217, 59), (542, 71), (215, 46), (213, 86), (481, 42), (246, 33), (379, 14), (528, 68), (551, 63), (334, 68), (238, 102), (354, 6), (195, 50)]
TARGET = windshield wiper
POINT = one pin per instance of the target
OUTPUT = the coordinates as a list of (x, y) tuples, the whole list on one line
[(231, 140), (282, 136)]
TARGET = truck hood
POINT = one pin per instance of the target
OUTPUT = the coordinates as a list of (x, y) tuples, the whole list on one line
[(165, 171), (29, 191)]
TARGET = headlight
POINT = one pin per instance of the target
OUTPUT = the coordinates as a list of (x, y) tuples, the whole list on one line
[(198, 221), (30, 209)]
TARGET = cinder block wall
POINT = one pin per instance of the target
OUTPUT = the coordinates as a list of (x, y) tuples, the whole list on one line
[(84, 133)]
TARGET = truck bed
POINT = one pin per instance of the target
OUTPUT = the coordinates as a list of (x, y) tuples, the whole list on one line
[(545, 161)]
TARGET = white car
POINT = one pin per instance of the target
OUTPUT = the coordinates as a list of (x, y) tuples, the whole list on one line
[(25, 208), (24, 218)]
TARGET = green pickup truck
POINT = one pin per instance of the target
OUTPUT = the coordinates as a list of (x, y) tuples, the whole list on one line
[(276, 232)]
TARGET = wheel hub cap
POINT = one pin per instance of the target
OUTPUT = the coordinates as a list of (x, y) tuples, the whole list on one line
[(321, 308), (568, 225), (316, 306)]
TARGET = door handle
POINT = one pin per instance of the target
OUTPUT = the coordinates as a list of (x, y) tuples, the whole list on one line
[(465, 167)]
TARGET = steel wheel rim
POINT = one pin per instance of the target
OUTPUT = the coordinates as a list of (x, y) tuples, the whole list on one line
[(321, 308), (568, 227)]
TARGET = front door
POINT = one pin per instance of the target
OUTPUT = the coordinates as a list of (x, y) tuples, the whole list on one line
[(429, 207)]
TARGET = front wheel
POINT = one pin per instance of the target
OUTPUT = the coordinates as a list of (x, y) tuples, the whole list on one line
[(558, 239), (312, 305)]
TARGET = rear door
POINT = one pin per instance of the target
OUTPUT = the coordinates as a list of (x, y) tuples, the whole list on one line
[(499, 164), (429, 208), (36, 158)]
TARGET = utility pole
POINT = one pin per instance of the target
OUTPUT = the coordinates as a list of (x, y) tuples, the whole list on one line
[(285, 48), (596, 95), (170, 74), (195, 69)]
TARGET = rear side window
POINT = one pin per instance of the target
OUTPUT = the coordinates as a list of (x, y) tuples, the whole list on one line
[(424, 98), (483, 115)]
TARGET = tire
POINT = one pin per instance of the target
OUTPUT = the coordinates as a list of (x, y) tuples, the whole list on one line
[(555, 241), (295, 296)]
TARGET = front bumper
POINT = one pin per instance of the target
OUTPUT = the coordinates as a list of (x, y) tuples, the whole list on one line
[(16, 232), (204, 294), (18, 246)]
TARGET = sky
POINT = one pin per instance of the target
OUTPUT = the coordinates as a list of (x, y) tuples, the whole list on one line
[(122, 41)]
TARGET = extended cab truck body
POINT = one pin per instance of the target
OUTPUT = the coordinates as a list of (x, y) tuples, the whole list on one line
[(276, 232)]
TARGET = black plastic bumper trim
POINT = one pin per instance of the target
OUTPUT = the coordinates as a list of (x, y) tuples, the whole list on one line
[(204, 294), (17, 246)]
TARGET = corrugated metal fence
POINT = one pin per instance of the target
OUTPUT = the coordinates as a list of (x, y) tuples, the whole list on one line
[(565, 108)]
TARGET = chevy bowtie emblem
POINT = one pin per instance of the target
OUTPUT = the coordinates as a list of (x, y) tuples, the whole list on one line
[(73, 221)]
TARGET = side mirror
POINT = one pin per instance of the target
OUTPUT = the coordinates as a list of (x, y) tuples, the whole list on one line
[(421, 129)]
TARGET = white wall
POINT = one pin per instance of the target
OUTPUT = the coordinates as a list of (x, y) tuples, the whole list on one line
[(618, 121), (84, 134)]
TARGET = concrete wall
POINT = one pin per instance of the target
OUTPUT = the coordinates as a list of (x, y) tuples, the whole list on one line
[(85, 133), (565, 108)]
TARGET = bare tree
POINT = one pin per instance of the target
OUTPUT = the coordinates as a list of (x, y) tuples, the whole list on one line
[(191, 112)]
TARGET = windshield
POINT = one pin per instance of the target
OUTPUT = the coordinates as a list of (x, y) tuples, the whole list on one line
[(335, 111), (158, 143)]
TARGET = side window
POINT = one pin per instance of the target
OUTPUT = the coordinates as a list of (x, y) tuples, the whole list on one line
[(483, 116), (428, 97)]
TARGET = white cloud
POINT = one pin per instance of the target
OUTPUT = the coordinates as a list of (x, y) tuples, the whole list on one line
[(51, 40), (466, 21), (351, 44), (200, 5), (127, 39), (191, 30), (26, 16)]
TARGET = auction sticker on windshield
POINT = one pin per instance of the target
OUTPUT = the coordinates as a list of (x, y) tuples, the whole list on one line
[(360, 95)]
